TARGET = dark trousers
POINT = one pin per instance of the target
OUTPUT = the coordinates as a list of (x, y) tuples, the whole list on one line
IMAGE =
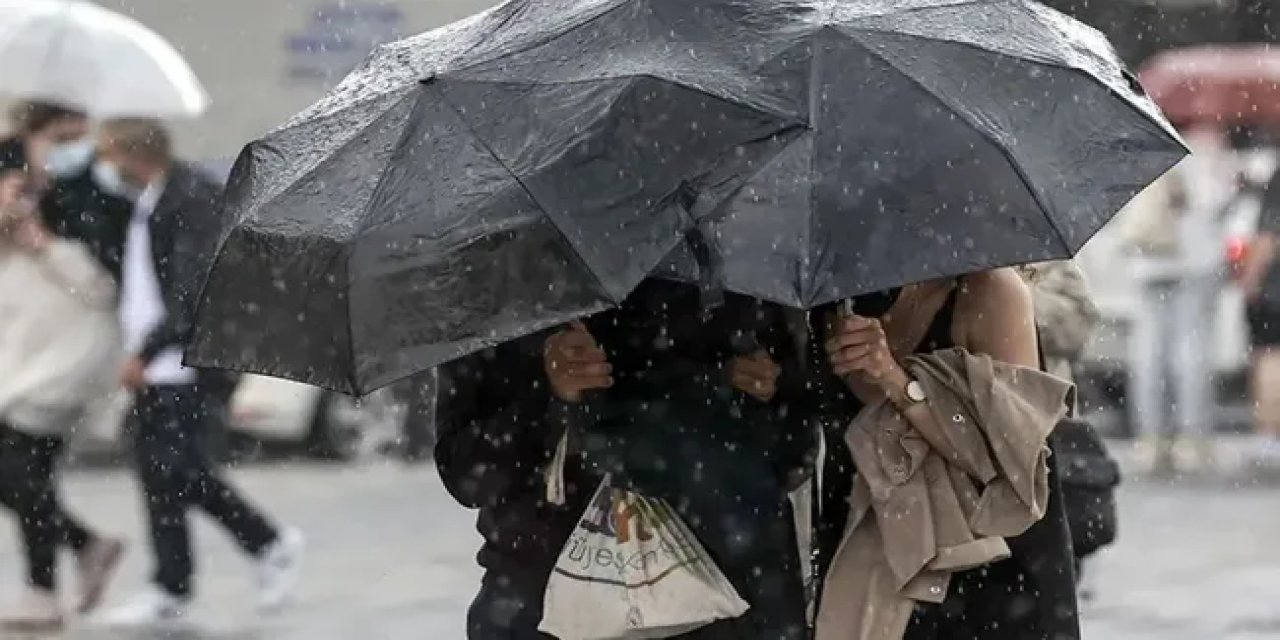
[(178, 474), (27, 465)]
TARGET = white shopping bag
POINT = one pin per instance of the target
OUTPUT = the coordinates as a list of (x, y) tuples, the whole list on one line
[(633, 570)]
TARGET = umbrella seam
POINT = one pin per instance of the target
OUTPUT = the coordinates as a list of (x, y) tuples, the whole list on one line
[(1005, 151), (349, 251), (805, 280), (524, 187)]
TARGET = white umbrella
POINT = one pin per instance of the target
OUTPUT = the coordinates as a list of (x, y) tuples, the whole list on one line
[(81, 55)]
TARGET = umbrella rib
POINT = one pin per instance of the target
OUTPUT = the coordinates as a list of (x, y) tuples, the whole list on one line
[(524, 187), (1005, 151)]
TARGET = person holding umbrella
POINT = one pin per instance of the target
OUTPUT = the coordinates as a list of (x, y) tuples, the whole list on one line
[(703, 408), (1030, 595), (166, 252), (541, 162), (57, 306)]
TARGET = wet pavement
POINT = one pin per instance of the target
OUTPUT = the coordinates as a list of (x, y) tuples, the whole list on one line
[(391, 557)]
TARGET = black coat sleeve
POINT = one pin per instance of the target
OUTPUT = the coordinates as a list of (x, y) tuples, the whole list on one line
[(493, 436), (788, 429)]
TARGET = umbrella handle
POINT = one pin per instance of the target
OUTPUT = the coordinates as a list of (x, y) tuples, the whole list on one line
[(846, 308)]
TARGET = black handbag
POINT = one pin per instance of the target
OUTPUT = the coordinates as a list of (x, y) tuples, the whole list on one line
[(1089, 476)]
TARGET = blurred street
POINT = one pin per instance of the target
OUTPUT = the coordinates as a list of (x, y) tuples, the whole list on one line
[(393, 558)]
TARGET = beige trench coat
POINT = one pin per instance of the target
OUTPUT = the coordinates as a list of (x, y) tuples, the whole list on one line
[(927, 504)]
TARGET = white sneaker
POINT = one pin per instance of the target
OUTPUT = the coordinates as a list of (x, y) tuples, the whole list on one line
[(279, 568), (1264, 452), (37, 613), (154, 605)]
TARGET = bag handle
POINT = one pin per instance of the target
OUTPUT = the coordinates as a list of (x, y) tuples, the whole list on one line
[(553, 474)]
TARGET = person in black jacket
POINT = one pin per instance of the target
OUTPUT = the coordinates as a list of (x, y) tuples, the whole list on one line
[(52, 146), (168, 248), (700, 407)]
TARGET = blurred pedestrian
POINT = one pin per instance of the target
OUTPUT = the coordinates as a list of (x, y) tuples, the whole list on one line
[(169, 244), (1066, 318), (1260, 280), (1176, 232), (60, 347), (1066, 315), (677, 402), (418, 431), (53, 144), (1031, 592)]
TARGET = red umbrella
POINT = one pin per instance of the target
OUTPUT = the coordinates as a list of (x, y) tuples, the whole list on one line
[(1216, 85)]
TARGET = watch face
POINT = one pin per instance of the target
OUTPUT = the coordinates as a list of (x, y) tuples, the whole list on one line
[(915, 392)]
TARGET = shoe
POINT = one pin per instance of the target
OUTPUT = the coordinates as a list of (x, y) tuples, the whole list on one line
[(279, 568), (1155, 456), (1195, 454), (1264, 452), (97, 565), (37, 613), (151, 606)]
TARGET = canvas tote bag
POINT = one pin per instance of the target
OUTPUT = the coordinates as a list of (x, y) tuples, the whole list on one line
[(631, 570)]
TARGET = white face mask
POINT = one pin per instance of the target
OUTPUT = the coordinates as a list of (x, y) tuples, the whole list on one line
[(69, 158), (108, 178)]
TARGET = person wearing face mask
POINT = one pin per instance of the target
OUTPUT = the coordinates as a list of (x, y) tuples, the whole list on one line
[(58, 340), (51, 143), (168, 248)]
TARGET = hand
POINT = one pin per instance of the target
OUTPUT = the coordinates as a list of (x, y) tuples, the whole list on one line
[(755, 375), (30, 234), (133, 376), (575, 363), (859, 351), (10, 189)]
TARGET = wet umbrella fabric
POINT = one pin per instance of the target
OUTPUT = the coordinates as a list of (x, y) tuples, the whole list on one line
[(942, 140), (559, 151)]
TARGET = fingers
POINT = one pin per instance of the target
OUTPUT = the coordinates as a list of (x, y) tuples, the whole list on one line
[(575, 363), (755, 386), (755, 375), (758, 364), (872, 362), (575, 337)]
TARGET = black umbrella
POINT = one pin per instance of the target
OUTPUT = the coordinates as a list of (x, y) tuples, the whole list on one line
[(535, 162), (944, 138)]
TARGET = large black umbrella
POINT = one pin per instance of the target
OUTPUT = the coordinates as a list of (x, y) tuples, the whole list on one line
[(535, 162)]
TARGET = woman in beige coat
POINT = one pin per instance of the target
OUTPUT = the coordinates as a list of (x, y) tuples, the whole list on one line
[(1032, 594)]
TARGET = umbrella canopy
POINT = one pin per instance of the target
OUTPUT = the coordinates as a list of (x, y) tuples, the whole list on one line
[(81, 55), (1220, 85), (534, 163), (938, 143)]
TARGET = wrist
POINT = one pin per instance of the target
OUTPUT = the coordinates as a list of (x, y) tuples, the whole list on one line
[(894, 386)]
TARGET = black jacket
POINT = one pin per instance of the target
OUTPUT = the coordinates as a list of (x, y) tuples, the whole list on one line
[(670, 428), (183, 230)]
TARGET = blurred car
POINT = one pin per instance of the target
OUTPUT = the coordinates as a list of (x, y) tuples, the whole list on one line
[(327, 425), (272, 414)]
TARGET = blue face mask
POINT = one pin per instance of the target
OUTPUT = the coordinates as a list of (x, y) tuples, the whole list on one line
[(69, 158)]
